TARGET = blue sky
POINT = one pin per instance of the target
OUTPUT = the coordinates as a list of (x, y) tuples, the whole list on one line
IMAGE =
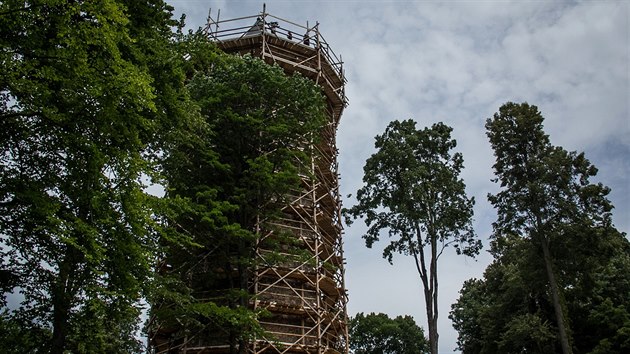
[(458, 62)]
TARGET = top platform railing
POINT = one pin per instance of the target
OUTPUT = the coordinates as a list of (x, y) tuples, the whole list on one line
[(270, 25)]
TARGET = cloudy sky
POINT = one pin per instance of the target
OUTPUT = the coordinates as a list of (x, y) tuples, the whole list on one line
[(458, 62)]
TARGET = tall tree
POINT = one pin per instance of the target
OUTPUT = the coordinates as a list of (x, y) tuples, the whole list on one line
[(228, 181), (509, 310), (379, 334), (78, 109), (546, 195), (412, 189)]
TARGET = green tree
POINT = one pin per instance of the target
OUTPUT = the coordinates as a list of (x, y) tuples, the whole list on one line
[(558, 258), (466, 315), (546, 192), (79, 107), (227, 181), (379, 334), (412, 189), (510, 310)]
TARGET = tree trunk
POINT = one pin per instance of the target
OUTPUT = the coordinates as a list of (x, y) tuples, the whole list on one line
[(431, 320), (555, 294), (61, 306), (429, 284), (433, 330), (62, 294), (433, 336)]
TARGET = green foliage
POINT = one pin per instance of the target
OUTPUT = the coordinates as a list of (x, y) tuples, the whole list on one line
[(412, 189), (466, 316), (558, 259), (20, 336), (542, 184), (227, 176), (510, 309), (379, 334), (526, 332), (95, 97), (80, 103)]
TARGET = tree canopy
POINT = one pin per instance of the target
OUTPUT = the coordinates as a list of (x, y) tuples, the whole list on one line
[(412, 189), (81, 102), (379, 334), (557, 255), (510, 310), (93, 101), (226, 182)]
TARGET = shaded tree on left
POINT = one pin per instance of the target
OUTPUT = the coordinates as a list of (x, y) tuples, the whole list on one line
[(84, 89)]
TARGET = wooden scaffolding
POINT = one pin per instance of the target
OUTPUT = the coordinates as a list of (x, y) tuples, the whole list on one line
[(305, 297)]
